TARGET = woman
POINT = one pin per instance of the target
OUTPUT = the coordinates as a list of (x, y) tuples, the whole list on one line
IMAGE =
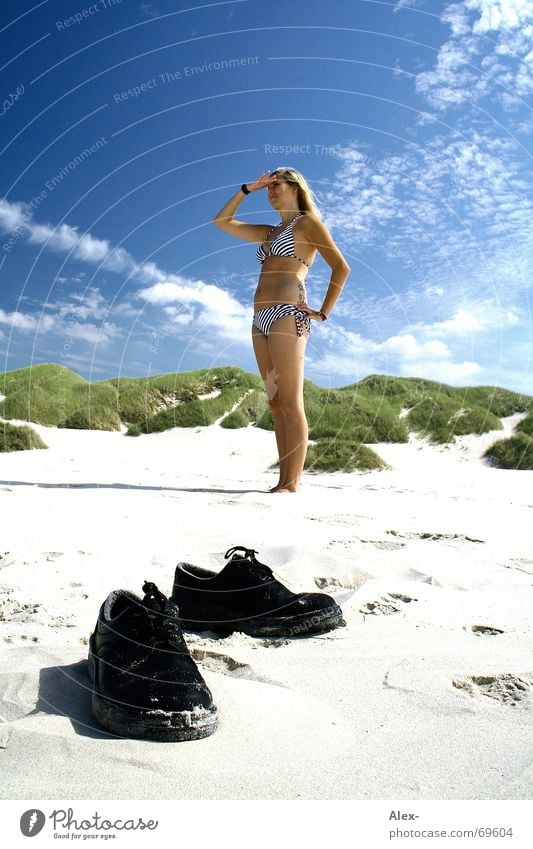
[(282, 317)]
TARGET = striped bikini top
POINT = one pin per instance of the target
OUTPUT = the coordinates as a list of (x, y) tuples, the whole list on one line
[(283, 244)]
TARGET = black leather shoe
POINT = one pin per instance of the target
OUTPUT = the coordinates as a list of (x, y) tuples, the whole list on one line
[(145, 683), (245, 596)]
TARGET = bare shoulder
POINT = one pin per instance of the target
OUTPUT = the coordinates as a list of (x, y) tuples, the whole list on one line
[(315, 232), (313, 228), (308, 219)]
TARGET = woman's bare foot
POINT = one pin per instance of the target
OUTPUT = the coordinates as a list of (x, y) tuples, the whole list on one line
[(287, 488)]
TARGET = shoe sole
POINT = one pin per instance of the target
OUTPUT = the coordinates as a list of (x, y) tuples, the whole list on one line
[(264, 626), (167, 726)]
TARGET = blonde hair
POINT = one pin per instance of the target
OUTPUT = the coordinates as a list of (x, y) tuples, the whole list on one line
[(306, 198)]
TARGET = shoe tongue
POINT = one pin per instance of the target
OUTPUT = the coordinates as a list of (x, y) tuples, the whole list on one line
[(249, 565)]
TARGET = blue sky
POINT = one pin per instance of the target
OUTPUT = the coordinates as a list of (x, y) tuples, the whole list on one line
[(126, 125)]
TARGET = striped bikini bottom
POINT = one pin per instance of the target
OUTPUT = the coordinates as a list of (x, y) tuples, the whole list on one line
[(264, 319)]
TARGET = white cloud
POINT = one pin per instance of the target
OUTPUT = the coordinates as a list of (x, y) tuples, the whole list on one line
[(26, 322), (405, 4), (12, 215), (459, 211), (60, 238), (68, 318), (125, 308), (179, 317), (148, 272), (463, 322), (64, 238), (512, 318), (101, 334), (442, 371), (179, 290), (457, 17), (500, 14), (471, 66), (434, 291), (84, 247), (214, 305), (336, 366), (407, 347), (217, 308), (351, 355), (88, 304), (487, 317)]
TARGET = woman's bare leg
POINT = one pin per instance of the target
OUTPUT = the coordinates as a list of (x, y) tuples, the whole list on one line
[(267, 372), (281, 441), (286, 350)]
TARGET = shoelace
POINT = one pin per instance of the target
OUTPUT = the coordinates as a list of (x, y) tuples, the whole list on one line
[(153, 595), (264, 573), (163, 614), (248, 552)]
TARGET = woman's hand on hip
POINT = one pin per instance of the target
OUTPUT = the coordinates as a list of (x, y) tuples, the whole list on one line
[(310, 313)]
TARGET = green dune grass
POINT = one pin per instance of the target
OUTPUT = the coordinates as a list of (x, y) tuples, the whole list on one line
[(526, 425), (440, 412), (19, 438), (516, 452), (341, 421), (249, 411), (177, 400), (45, 394), (342, 455)]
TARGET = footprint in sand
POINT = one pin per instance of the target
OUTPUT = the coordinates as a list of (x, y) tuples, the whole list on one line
[(348, 583), (24, 637), (508, 689), (384, 545), (415, 575), (13, 610), (386, 605), (486, 629), (436, 537), (219, 662), (227, 665), (322, 583), (521, 564)]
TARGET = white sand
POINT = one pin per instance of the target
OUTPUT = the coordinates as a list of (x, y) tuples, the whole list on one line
[(426, 694)]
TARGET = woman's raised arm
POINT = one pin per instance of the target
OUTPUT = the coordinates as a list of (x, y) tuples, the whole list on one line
[(224, 219)]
